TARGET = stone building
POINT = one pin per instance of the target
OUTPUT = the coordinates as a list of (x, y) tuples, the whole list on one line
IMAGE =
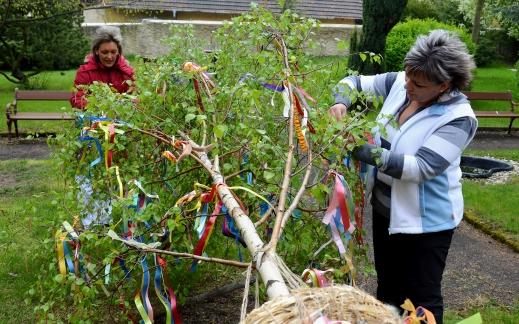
[(145, 23)]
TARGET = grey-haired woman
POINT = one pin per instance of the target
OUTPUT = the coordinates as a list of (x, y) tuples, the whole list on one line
[(416, 197), (104, 64)]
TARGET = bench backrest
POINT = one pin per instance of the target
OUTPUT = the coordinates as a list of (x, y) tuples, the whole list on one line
[(42, 95), (473, 95)]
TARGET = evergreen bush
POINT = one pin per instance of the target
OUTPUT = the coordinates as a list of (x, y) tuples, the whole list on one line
[(404, 34)]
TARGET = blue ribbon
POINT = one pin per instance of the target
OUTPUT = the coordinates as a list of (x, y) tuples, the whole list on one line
[(145, 280), (68, 257), (122, 264), (203, 219), (98, 146)]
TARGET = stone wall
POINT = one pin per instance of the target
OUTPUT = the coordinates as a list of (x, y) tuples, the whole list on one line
[(147, 37)]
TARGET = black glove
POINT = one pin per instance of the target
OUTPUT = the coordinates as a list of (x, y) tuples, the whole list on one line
[(367, 153)]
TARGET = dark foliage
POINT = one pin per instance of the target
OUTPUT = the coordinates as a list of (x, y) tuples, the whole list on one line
[(37, 35), (379, 16)]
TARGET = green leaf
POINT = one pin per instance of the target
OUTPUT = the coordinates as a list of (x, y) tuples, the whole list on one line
[(342, 45), (200, 118), (219, 130), (227, 167), (189, 117), (363, 56), (59, 278), (171, 224), (268, 175)]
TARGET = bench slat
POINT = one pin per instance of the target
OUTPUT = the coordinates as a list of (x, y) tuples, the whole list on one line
[(472, 95), (496, 114), (42, 95), (494, 96), (41, 116)]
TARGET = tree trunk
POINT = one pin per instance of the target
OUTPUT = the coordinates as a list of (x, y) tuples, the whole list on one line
[(379, 16), (477, 21), (264, 260)]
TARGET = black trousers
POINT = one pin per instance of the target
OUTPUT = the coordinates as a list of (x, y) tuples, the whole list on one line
[(410, 266)]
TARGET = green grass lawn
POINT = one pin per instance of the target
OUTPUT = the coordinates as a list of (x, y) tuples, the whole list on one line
[(489, 314), (28, 211), (495, 203)]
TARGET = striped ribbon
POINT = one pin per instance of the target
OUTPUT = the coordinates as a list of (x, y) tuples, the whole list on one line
[(208, 230), (340, 211), (172, 314), (145, 309), (159, 290)]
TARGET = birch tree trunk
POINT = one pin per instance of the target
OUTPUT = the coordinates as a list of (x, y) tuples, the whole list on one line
[(264, 260)]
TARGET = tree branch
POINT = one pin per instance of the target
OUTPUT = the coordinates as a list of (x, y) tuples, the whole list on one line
[(288, 165), (193, 256), (9, 78), (299, 194)]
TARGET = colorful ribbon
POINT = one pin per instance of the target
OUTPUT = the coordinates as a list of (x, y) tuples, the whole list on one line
[(416, 316), (340, 212), (172, 298), (145, 309), (316, 278), (208, 230)]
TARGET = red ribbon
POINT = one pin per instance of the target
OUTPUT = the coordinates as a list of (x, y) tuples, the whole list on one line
[(208, 230), (172, 297), (198, 95)]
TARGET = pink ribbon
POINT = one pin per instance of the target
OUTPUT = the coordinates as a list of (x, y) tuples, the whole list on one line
[(338, 212)]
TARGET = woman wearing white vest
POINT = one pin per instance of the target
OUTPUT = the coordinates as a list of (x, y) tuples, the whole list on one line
[(417, 199)]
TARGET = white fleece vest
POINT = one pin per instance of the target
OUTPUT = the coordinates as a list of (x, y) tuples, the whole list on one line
[(432, 205)]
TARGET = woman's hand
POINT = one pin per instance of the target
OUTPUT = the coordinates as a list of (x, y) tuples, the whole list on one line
[(338, 111)]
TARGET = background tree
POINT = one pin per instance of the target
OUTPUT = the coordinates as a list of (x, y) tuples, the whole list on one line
[(379, 16), (477, 20), (508, 15), (38, 35)]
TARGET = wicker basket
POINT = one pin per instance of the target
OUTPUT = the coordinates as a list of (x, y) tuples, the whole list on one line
[(337, 303)]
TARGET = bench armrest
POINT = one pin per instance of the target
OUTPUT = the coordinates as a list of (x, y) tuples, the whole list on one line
[(514, 105), (10, 108)]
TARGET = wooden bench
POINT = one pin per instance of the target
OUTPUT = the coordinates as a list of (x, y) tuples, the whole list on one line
[(13, 115), (495, 96)]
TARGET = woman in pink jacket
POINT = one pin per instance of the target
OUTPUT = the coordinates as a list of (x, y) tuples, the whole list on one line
[(105, 64)]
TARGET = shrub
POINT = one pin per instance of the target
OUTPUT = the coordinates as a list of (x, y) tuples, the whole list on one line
[(404, 34), (37, 82), (496, 45), (440, 10), (420, 9), (485, 52)]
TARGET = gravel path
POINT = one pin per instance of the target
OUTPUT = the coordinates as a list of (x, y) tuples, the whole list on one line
[(24, 149)]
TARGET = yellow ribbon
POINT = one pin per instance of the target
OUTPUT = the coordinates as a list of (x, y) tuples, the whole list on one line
[(121, 191), (140, 307), (252, 193), (60, 237)]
